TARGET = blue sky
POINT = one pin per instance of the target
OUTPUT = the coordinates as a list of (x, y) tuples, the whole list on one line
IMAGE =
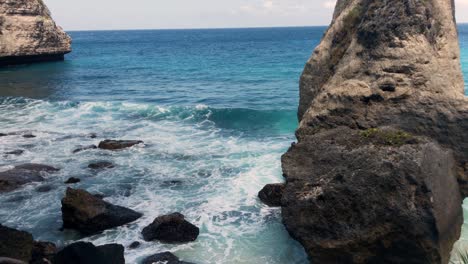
[(162, 14)]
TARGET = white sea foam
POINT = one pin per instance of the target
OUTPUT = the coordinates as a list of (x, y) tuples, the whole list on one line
[(220, 173)]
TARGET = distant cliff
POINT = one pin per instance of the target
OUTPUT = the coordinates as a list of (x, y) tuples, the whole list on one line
[(382, 152), (29, 34)]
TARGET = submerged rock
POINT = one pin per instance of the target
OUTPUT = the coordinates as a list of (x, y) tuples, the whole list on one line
[(72, 180), (101, 165), (89, 215), (84, 252), (44, 188), (382, 137), (165, 257), (271, 194), (22, 174), (15, 244), (29, 136), (83, 148), (118, 144), (15, 152), (171, 228), (29, 34), (134, 245)]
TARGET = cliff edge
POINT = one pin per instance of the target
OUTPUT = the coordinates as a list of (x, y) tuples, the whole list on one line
[(29, 34), (381, 162)]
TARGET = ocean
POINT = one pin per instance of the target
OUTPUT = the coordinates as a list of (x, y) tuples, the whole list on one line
[(216, 109)]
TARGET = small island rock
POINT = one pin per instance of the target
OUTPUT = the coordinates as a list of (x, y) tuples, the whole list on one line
[(118, 144), (171, 228), (89, 215)]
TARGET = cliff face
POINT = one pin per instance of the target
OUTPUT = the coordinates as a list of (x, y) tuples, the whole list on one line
[(28, 33), (383, 137)]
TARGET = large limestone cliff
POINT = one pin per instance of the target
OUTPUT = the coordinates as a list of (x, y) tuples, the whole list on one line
[(28, 33), (382, 152)]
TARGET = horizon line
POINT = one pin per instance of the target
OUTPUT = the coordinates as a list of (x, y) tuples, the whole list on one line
[(208, 28)]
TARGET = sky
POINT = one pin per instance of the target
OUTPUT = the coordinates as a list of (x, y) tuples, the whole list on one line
[(170, 14)]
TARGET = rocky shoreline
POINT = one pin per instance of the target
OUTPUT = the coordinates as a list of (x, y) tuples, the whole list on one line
[(28, 34), (88, 214)]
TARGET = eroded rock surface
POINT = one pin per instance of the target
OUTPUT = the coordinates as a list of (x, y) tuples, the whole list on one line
[(28, 33), (382, 147), (15, 244), (89, 214)]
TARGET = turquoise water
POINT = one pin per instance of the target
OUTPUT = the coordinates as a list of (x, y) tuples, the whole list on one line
[(216, 109)]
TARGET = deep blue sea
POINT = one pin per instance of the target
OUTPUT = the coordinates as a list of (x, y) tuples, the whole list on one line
[(215, 108)]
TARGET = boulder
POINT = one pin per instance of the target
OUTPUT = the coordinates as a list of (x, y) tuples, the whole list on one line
[(22, 174), (378, 196), (29, 34), (15, 244), (72, 180), (43, 252), (83, 148), (101, 165), (29, 136), (118, 144), (382, 135), (165, 257), (87, 253), (171, 228), (271, 194), (134, 245), (88, 214)]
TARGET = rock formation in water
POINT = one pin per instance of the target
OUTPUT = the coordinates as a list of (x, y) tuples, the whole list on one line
[(28, 33), (382, 138)]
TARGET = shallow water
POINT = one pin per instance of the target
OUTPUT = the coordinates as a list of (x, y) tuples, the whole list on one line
[(215, 108)]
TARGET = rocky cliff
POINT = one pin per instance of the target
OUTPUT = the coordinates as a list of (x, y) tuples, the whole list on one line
[(382, 148), (28, 33)]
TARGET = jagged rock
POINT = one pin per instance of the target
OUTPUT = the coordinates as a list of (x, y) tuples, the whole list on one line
[(118, 144), (165, 257), (22, 174), (371, 179), (43, 252), (29, 34), (72, 180), (15, 244), (101, 165), (89, 215), (84, 252), (171, 228), (271, 194), (83, 148), (369, 200)]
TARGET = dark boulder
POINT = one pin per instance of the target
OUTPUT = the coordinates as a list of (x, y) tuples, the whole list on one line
[(15, 244), (371, 196), (271, 194), (3, 135), (87, 253), (118, 144), (171, 228), (72, 180), (43, 252), (101, 165), (89, 215), (83, 148), (134, 245), (29, 136), (165, 257), (23, 174)]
